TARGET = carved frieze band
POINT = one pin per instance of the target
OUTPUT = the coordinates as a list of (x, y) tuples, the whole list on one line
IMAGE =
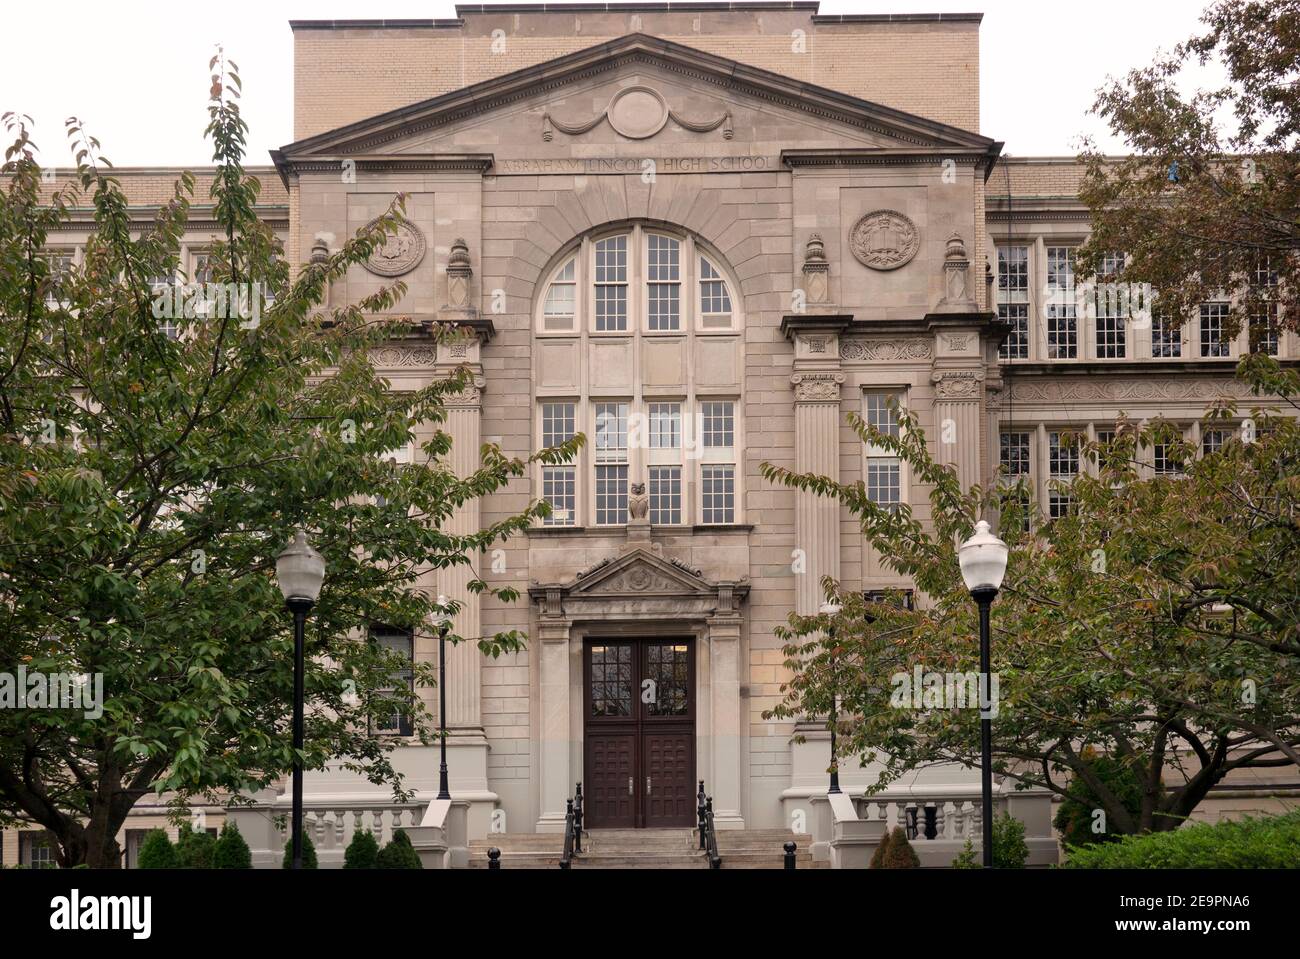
[(860, 348), (403, 357), (1103, 390), (817, 387)]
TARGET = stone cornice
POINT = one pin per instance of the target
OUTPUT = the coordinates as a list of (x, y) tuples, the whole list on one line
[(397, 163), (795, 323), (866, 156)]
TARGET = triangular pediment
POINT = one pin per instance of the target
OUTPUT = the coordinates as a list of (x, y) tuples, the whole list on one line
[(640, 572), (695, 86)]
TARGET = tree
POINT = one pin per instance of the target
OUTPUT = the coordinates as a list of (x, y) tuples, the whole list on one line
[(362, 851), (1206, 202), (882, 851), (308, 852), (157, 852), (231, 851), (1155, 623), (398, 853), (151, 476), (1078, 820)]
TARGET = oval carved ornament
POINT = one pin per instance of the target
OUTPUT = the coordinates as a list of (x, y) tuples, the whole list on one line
[(884, 240), (401, 253)]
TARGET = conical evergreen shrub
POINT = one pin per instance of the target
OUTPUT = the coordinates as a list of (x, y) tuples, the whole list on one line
[(231, 852), (362, 851)]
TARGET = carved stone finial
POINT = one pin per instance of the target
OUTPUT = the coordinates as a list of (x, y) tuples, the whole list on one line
[(320, 251), (957, 294), (459, 273), (815, 269)]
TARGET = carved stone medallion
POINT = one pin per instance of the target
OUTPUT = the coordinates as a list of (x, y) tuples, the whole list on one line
[(402, 252), (884, 240), (638, 112)]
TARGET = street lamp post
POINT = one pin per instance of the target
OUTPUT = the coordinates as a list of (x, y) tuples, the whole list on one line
[(299, 571), (444, 626), (833, 609), (983, 561)]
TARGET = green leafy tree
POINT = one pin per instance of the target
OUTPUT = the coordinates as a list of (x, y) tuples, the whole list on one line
[(157, 852), (150, 477), (1155, 623), (231, 851), (1078, 820), (1205, 201), (1010, 851), (362, 851), (308, 853), (398, 853)]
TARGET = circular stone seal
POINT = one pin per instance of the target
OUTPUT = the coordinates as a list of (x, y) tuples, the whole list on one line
[(637, 112), (401, 253), (884, 240)]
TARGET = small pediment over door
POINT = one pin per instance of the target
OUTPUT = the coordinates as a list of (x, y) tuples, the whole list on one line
[(640, 584)]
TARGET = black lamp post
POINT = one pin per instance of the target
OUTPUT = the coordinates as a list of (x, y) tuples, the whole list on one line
[(299, 570), (983, 561), (444, 626), (833, 609)]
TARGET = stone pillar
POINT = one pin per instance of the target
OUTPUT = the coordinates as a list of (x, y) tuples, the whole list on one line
[(958, 394), (554, 745), (816, 381), (728, 715)]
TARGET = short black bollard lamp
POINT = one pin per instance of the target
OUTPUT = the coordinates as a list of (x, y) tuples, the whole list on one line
[(790, 848)]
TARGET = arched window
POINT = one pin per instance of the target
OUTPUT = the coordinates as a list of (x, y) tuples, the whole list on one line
[(639, 279), (662, 304)]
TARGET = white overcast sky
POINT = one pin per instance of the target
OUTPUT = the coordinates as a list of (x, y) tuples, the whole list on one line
[(135, 71)]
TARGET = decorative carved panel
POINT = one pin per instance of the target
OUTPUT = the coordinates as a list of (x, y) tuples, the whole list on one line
[(858, 348), (884, 240), (401, 252)]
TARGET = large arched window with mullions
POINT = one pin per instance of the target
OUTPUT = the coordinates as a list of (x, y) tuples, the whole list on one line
[(638, 341)]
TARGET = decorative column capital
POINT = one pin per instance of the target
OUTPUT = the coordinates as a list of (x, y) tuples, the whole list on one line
[(817, 386), (957, 384)]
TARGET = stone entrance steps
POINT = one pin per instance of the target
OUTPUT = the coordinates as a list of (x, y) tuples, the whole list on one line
[(644, 849)]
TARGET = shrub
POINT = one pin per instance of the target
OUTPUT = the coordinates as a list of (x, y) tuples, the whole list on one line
[(231, 852), (1269, 843), (882, 850), (157, 852), (398, 854), (308, 852), (362, 851), (1074, 820), (900, 854), (1009, 848), (195, 849)]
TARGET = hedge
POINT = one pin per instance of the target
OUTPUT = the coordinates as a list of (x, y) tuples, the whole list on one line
[(1272, 843)]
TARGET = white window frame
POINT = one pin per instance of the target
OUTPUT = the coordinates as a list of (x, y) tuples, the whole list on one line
[(871, 451)]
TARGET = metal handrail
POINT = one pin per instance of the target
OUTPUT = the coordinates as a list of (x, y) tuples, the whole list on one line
[(572, 828), (708, 831)]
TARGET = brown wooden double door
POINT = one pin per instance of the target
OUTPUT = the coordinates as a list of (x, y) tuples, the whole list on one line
[(639, 733)]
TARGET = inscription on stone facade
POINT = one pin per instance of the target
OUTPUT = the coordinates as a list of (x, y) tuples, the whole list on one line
[(638, 165)]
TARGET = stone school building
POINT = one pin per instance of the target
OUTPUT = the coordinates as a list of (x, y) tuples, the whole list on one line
[(701, 235)]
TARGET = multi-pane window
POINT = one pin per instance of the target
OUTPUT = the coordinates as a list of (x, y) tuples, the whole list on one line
[(611, 679), (1062, 310), (559, 483), (1013, 300), (35, 851), (718, 470), (1263, 331), (665, 426), (1166, 336), (1062, 468), (1212, 441), (718, 423), (663, 282), (1163, 460), (1110, 311), (715, 301), (718, 494), (1214, 316), (611, 464), (611, 283), (1013, 458), (558, 310), (883, 468), (665, 495), (401, 642)]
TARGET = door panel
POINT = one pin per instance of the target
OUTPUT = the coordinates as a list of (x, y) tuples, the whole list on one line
[(639, 733)]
